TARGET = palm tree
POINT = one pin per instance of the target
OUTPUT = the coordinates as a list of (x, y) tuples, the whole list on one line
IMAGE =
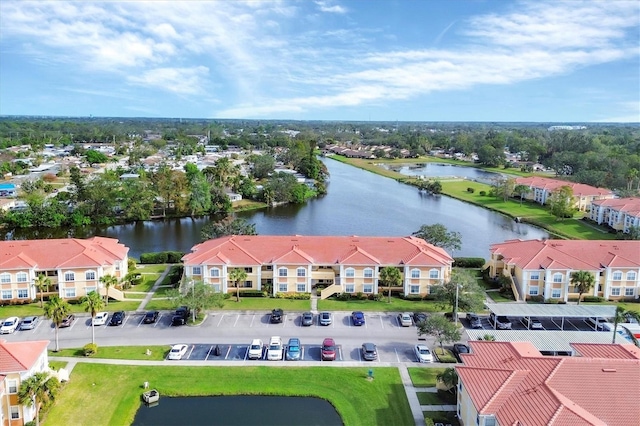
[(42, 283), (237, 275), (56, 310), (93, 303), (584, 281), (621, 315), (390, 276), (108, 281), (449, 378), (37, 390)]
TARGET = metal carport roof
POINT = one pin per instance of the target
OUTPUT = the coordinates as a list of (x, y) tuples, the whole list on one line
[(551, 310), (551, 341)]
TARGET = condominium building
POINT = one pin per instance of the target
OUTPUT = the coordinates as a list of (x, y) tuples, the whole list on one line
[(298, 264), (541, 189), (619, 214)]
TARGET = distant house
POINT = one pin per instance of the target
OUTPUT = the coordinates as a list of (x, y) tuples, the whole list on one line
[(8, 190), (583, 195), (234, 197), (619, 213)]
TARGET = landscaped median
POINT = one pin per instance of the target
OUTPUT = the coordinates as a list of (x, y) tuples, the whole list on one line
[(103, 394)]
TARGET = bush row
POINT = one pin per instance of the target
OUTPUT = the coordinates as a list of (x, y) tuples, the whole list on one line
[(468, 262), (162, 257), (293, 296)]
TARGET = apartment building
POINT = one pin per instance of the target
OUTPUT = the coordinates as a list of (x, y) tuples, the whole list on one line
[(74, 267), (544, 267), (299, 264), (541, 189), (619, 214)]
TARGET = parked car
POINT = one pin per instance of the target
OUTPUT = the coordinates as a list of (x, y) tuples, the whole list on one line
[(117, 318), (532, 323), (306, 319), (100, 318), (255, 349), (181, 316), (328, 349), (500, 322), (599, 324), (178, 351), (151, 317), (458, 349), (404, 319), (294, 350), (369, 352), (276, 316), (29, 323), (423, 353), (419, 317), (325, 318), (274, 350), (67, 321), (10, 325), (358, 318), (474, 320)]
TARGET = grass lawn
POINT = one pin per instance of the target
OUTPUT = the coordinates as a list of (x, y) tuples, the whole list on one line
[(30, 309), (160, 305), (162, 291), (439, 398), (57, 365), (113, 393), (497, 297), (134, 296), (424, 377), (396, 305), (151, 268), (444, 355), (158, 353), (265, 304), (446, 417)]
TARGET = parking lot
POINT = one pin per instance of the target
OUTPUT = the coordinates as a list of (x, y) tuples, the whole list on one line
[(550, 324)]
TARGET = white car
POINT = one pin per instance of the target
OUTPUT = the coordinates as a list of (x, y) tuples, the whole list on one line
[(404, 319), (255, 349), (274, 351), (178, 351), (100, 318), (423, 354), (9, 325)]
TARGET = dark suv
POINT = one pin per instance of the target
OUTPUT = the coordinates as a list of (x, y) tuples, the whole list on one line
[(181, 316), (117, 318), (276, 316)]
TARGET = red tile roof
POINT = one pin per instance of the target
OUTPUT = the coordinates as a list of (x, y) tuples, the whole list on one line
[(20, 356), (569, 254), (327, 250), (60, 253), (509, 381), (579, 189)]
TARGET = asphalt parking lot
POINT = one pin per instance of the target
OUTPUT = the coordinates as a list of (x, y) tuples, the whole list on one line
[(551, 324)]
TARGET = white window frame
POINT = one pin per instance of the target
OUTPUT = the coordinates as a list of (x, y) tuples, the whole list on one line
[(22, 277), (629, 291), (556, 293), (5, 278), (69, 276), (616, 276), (615, 291), (14, 412), (534, 276), (414, 289), (368, 287), (283, 272), (88, 290), (70, 292), (349, 273), (301, 272), (434, 274), (214, 272), (301, 288), (4, 293), (24, 292), (631, 276), (367, 273), (196, 270), (349, 288), (90, 275), (283, 287), (415, 273), (534, 290), (557, 277), (12, 386)]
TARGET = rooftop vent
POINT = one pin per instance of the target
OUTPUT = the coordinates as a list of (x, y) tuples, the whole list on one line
[(609, 370)]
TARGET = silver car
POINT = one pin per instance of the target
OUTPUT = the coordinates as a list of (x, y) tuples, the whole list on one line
[(29, 323), (325, 318)]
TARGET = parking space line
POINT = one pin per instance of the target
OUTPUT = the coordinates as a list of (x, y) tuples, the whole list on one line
[(192, 348), (227, 355), (220, 322), (157, 321), (360, 355), (284, 321), (398, 322), (208, 353), (397, 356), (252, 318), (340, 352), (140, 322), (381, 322), (126, 318), (236, 321)]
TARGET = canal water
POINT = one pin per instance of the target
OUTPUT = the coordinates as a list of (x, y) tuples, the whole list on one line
[(239, 410), (443, 170), (358, 203)]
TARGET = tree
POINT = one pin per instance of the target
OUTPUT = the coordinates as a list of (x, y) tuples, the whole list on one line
[(42, 283), (237, 275), (583, 281), (449, 378), (561, 202), (56, 310), (521, 191), (228, 226), (38, 390), (108, 281), (198, 297), (263, 165), (93, 303), (94, 157), (470, 296), (438, 235), (622, 315), (504, 188), (390, 276), (441, 328)]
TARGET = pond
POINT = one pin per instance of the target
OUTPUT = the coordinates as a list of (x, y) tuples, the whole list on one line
[(239, 410), (442, 170)]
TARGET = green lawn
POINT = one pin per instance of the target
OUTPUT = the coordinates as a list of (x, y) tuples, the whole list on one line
[(110, 395), (446, 417), (30, 309), (424, 377), (265, 304), (151, 268), (436, 398), (497, 297), (134, 296), (57, 365), (396, 305), (160, 305), (158, 353)]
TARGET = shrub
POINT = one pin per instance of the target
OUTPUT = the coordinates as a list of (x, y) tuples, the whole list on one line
[(90, 349), (483, 193), (253, 293), (131, 263), (471, 190), (552, 301), (344, 296), (468, 262), (592, 299), (538, 298), (361, 296), (161, 257), (294, 296)]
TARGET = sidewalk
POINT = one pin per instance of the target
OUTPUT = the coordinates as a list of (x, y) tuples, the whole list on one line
[(149, 295)]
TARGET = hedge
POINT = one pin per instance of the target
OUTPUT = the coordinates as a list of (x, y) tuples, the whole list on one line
[(162, 257), (468, 262)]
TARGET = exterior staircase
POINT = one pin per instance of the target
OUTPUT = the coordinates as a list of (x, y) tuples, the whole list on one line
[(114, 293), (330, 291)]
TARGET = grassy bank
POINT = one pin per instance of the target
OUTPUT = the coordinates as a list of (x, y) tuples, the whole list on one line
[(396, 305), (110, 395), (156, 353)]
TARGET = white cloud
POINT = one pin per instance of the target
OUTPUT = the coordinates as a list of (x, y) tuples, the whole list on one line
[(182, 81), (325, 6)]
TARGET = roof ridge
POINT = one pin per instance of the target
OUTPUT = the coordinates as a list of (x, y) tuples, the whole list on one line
[(5, 349), (507, 382), (232, 240)]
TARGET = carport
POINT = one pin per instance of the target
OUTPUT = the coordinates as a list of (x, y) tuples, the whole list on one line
[(547, 342), (552, 311)]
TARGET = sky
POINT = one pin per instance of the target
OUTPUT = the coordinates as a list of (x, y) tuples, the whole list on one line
[(375, 60)]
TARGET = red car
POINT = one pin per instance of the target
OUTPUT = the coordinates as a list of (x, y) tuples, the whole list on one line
[(328, 349)]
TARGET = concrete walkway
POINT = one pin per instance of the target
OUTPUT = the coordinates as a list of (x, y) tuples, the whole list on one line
[(314, 302), (157, 284), (412, 397)]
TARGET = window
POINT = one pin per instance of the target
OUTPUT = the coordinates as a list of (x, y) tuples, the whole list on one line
[(415, 273), (214, 272), (13, 386), (434, 274), (117, 266), (629, 291), (557, 278), (617, 275), (5, 278), (88, 290), (90, 275), (555, 293), (21, 277), (414, 289), (196, 270), (368, 273), (631, 276), (533, 290), (535, 276), (615, 291), (248, 270), (282, 288), (69, 292), (247, 284), (216, 288), (282, 272), (368, 288), (6, 294), (349, 288), (15, 412), (69, 276), (302, 272), (23, 293), (349, 272), (302, 288)]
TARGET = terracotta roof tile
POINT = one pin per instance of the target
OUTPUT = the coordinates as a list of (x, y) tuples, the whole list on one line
[(579, 189), (20, 356), (623, 351)]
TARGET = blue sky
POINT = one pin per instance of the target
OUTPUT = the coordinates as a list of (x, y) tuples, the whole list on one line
[(378, 60)]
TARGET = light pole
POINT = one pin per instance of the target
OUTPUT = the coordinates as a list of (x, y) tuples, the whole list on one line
[(455, 309)]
